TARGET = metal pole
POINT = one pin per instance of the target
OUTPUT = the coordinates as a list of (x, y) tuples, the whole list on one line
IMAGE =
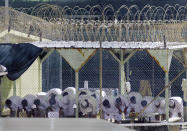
[(122, 74), (77, 89), (0, 98), (6, 17), (166, 83), (14, 88), (39, 75), (128, 73), (60, 68), (100, 76), (167, 95)]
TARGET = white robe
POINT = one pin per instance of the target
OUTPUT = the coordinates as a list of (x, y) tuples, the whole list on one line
[(56, 106), (67, 102), (30, 100), (137, 105), (109, 113), (97, 95), (177, 101), (124, 105), (92, 105), (16, 103), (150, 110), (160, 105), (43, 101)]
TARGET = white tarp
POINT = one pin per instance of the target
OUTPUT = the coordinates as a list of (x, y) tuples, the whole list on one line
[(162, 57), (76, 58)]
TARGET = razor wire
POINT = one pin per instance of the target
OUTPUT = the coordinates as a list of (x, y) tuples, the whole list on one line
[(98, 23)]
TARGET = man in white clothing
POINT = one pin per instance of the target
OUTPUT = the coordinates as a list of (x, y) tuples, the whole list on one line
[(27, 104), (14, 104)]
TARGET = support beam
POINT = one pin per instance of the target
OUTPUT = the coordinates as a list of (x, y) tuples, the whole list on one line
[(60, 70), (167, 95), (77, 92), (39, 75), (115, 57), (179, 60), (0, 98), (101, 77), (131, 55), (14, 88), (128, 72), (122, 74), (20, 86)]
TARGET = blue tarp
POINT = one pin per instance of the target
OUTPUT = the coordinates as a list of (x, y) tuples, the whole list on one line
[(17, 58)]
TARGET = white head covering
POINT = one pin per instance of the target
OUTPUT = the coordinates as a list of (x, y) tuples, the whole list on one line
[(175, 107), (30, 101), (88, 104), (15, 103), (68, 100), (134, 102)]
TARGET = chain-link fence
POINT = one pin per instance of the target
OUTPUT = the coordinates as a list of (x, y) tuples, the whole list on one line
[(144, 72), (136, 83)]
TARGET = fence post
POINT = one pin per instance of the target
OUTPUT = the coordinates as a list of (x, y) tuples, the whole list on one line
[(122, 74), (167, 95), (0, 98), (166, 84), (77, 91), (100, 76)]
